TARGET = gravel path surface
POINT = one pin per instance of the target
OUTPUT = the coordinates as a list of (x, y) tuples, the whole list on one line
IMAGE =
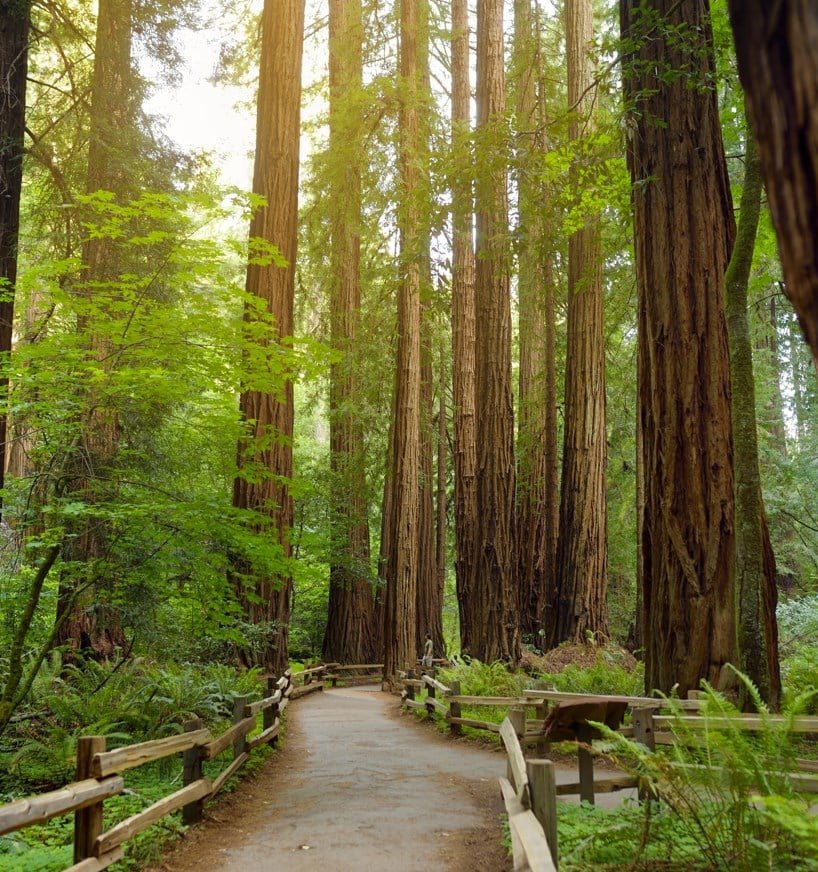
[(360, 786)]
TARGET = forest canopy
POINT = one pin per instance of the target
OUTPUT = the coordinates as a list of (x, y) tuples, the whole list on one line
[(495, 343)]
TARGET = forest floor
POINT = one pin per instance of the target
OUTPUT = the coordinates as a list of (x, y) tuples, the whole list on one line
[(358, 785)]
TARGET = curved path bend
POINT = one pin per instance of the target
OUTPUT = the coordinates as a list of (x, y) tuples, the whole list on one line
[(359, 786)]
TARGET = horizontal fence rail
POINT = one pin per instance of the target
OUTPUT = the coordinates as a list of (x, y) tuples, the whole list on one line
[(99, 777), (99, 770)]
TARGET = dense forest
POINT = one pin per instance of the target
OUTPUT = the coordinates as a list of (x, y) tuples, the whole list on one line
[(509, 340)]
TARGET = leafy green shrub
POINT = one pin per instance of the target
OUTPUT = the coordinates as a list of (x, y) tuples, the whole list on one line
[(799, 675), (607, 675), (797, 623), (728, 788)]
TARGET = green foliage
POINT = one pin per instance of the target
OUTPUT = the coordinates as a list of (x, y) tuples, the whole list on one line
[(607, 675), (727, 788)]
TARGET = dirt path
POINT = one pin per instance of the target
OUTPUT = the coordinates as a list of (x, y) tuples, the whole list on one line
[(358, 786)]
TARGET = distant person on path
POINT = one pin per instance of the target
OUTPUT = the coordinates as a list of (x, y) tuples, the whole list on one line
[(426, 661)]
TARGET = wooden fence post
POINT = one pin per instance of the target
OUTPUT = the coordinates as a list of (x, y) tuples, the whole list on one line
[(517, 718), (454, 709), (192, 771), (410, 688), (585, 761), (542, 784), (643, 727), (430, 689), (239, 706), (87, 821)]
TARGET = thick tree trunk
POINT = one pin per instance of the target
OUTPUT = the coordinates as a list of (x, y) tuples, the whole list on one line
[(495, 633), (684, 230), (267, 448), (401, 595), (440, 644), (537, 481), (93, 624), (581, 608), (14, 31), (758, 631), (429, 603), (778, 67), (463, 338), (348, 637)]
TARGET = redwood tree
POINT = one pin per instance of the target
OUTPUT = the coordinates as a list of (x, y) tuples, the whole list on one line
[(582, 558), (463, 335), (537, 470), (494, 634), (88, 621), (348, 637), (778, 68), (400, 614), (265, 453), (14, 34), (683, 224)]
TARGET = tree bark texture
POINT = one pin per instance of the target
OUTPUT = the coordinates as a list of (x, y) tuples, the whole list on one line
[(495, 633), (400, 623), (463, 337), (14, 32), (758, 630), (265, 458), (683, 221), (440, 644), (89, 622), (349, 632), (581, 608), (777, 53), (537, 471), (429, 602)]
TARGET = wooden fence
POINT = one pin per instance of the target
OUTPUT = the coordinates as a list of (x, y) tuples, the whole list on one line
[(530, 788), (99, 776), (530, 797)]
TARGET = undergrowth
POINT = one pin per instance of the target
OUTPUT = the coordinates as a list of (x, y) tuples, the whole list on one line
[(129, 702)]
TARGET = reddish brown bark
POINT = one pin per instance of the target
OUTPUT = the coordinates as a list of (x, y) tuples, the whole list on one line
[(495, 633), (401, 593), (14, 30), (94, 623), (581, 609), (463, 337), (684, 230), (537, 471), (778, 67), (348, 637), (265, 456)]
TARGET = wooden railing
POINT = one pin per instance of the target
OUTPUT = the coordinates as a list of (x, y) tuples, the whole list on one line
[(99, 777), (530, 797)]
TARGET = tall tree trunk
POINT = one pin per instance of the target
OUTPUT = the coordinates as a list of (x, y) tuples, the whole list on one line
[(348, 637), (92, 624), (400, 619), (463, 337), (758, 630), (778, 68), (14, 32), (683, 222), (440, 645), (537, 482), (267, 447), (495, 633), (429, 603), (581, 608)]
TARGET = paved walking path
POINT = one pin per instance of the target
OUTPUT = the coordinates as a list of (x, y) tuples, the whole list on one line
[(362, 786)]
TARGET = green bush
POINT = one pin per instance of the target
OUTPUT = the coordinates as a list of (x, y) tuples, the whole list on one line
[(607, 675), (728, 788)]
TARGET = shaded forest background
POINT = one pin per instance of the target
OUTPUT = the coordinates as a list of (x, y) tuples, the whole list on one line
[(210, 462)]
